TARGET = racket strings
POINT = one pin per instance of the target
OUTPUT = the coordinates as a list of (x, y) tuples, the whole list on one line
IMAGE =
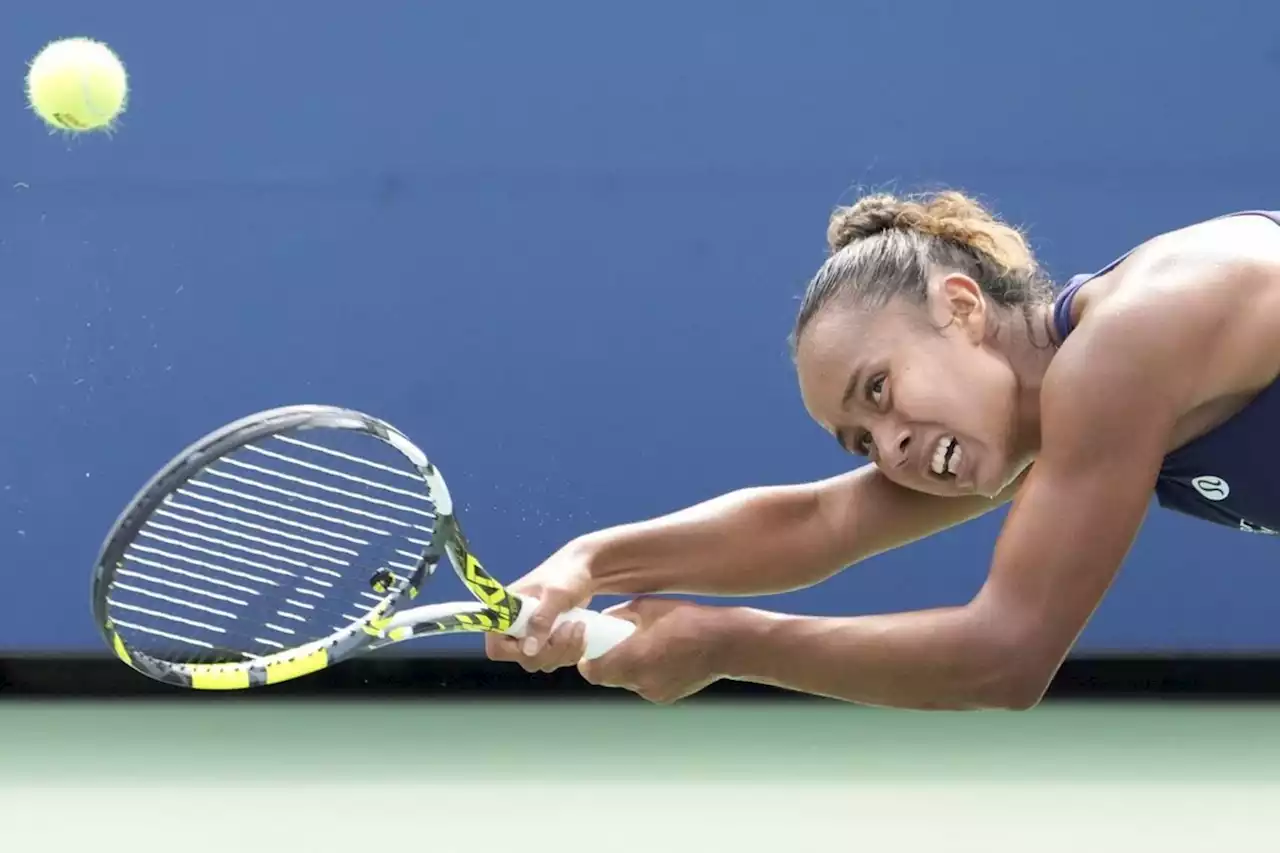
[(272, 546)]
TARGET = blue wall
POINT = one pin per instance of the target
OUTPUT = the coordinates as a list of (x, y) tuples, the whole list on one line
[(587, 228)]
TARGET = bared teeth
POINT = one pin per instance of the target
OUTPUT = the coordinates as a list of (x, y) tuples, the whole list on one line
[(946, 456)]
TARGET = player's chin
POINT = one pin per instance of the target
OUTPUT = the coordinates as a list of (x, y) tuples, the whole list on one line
[(947, 487), (941, 486), (930, 483), (989, 478)]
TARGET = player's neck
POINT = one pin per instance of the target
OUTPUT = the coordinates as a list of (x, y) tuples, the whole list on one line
[(1025, 339)]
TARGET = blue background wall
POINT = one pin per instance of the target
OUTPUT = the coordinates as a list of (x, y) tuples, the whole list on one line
[(584, 225)]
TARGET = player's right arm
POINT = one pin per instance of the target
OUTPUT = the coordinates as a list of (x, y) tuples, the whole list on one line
[(754, 541), (766, 540)]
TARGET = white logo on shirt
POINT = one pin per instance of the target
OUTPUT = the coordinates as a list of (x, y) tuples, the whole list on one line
[(1212, 488)]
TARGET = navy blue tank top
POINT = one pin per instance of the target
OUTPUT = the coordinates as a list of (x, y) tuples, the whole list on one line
[(1231, 474)]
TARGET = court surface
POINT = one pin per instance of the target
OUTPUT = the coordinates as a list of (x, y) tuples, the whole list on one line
[(621, 776)]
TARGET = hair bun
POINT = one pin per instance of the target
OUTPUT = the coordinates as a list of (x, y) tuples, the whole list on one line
[(871, 215)]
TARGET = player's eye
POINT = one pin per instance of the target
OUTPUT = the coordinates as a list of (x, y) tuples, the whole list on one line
[(862, 444), (875, 388)]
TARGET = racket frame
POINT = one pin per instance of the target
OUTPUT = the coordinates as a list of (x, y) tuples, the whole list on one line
[(496, 610)]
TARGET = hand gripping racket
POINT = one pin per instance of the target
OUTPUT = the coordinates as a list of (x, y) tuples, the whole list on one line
[(286, 542)]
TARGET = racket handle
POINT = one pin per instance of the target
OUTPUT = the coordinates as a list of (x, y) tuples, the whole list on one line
[(603, 631)]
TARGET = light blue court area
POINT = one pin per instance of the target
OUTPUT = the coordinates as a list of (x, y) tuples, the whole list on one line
[(576, 776)]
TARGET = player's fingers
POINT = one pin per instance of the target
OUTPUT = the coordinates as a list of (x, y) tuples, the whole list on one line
[(551, 603), (558, 651), (593, 672), (501, 647), (564, 648), (606, 671), (546, 658), (576, 648), (589, 671)]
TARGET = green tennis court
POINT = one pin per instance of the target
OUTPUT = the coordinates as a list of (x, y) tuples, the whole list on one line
[(534, 776)]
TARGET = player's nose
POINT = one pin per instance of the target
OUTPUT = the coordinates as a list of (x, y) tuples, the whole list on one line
[(895, 443)]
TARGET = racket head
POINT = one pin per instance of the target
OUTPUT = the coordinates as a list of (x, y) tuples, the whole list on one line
[(216, 668)]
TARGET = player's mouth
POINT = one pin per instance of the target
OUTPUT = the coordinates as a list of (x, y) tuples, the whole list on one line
[(947, 454)]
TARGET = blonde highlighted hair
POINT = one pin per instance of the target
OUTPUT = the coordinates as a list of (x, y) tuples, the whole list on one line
[(885, 246)]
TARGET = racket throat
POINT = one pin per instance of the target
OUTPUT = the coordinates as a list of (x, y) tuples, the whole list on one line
[(428, 613)]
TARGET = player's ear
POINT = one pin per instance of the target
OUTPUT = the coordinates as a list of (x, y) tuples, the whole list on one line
[(957, 300)]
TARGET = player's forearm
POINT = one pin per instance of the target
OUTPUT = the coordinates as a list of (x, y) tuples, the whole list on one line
[(942, 659), (771, 539), (749, 542)]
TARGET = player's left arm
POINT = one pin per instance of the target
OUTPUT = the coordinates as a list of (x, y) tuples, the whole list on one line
[(1109, 406)]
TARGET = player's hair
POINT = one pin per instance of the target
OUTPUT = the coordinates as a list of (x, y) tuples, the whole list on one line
[(884, 246)]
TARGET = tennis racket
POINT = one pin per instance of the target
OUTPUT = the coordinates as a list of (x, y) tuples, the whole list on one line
[(289, 541)]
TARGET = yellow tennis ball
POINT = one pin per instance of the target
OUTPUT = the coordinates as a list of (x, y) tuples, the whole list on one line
[(78, 85)]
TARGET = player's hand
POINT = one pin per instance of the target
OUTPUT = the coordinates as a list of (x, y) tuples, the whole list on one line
[(671, 655), (563, 581)]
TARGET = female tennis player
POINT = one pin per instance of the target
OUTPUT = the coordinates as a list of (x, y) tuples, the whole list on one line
[(931, 343)]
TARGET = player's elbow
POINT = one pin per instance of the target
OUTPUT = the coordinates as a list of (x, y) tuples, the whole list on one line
[(1010, 679), (1007, 689), (990, 689), (1016, 693), (1015, 654)]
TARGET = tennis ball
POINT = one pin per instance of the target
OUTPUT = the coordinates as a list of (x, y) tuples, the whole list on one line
[(77, 85)]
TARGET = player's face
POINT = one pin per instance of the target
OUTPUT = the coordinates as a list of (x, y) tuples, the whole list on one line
[(917, 389)]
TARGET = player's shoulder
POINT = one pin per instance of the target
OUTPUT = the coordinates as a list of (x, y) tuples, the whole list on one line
[(1195, 275), (1176, 305), (1243, 234)]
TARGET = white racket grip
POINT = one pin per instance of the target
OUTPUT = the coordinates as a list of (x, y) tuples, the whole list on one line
[(604, 632)]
